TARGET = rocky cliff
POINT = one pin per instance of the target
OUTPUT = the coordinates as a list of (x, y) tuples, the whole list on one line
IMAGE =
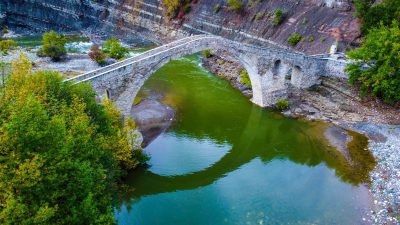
[(319, 22)]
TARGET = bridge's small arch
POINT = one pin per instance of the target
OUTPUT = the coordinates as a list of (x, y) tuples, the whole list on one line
[(277, 68), (107, 94)]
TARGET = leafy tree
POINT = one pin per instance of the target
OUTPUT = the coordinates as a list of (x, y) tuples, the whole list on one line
[(207, 53), (172, 7), (6, 45), (294, 39), (60, 152), (235, 5), (97, 55), (114, 48), (278, 17), (376, 69), (53, 46), (373, 15)]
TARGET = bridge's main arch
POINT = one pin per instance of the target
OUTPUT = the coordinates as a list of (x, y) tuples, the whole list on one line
[(268, 69)]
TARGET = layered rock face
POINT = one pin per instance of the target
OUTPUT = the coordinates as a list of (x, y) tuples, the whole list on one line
[(320, 22)]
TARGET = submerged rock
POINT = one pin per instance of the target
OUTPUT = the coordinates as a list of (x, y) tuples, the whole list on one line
[(152, 118)]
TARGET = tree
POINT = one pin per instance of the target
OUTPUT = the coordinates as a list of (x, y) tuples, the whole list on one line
[(53, 46), (6, 45), (373, 15), (235, 5), (60, 152), (97, 55), (294, 39), (376, 69), (278, 17), (114, 48)]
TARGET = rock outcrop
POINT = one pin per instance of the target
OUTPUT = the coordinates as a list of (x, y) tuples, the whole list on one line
[(320, 22)]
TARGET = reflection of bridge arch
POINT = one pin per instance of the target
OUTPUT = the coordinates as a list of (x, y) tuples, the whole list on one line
[(247, 148), (125, 78)]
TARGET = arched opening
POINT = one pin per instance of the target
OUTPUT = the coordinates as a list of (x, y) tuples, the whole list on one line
[(277, 68), (297, 76), (107, 94)]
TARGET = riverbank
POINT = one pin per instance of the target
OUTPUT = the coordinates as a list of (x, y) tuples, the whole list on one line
[(335, 101)]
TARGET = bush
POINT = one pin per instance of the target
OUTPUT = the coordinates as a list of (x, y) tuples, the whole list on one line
[(53, 46), (294, 39), (97, 55), (282, 104), (244, 78), (114, 49), (61, 152), (376, 69), (278, 17), (259, 16), (171, 7), (207, 53), (235, 5), (311, 39), (6, 45)]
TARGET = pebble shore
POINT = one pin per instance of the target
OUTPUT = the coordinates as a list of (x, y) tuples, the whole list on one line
[(385, 178)]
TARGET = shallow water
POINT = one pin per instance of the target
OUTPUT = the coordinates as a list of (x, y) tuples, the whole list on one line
[(227, 161)]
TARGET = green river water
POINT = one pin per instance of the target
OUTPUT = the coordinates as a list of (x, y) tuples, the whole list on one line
[(227, 161)]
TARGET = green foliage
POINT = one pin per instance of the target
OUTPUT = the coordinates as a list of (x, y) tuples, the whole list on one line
[(114, 49), (311, 39), (362, 7), (171, 7), (97, 55), (6, 45), (259, 16), (377, 66), (244, 78), (60, 151), (207, 53), (235, 5), (187, 8), (53, 46), (322, 39), (282, 104), (384, 12), (294, 39), (278, 17)]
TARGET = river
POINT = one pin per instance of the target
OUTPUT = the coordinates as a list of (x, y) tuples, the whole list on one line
[(225, 160)]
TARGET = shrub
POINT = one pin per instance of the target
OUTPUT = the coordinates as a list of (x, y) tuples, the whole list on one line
[(53, 46), (207, 53), (294, 39), (282, 104), (376, 69), (244, 78), (114, 48), (322, 39), (311, 39), (278, 17), (97, 55), (259, 16), (375, 14), (171, 7), (6, 45), (235, 5), (305, 21)]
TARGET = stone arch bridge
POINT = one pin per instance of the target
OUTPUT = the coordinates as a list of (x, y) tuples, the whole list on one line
[(271, 70)]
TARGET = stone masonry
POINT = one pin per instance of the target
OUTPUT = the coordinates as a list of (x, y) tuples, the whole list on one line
[(271, 70)]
